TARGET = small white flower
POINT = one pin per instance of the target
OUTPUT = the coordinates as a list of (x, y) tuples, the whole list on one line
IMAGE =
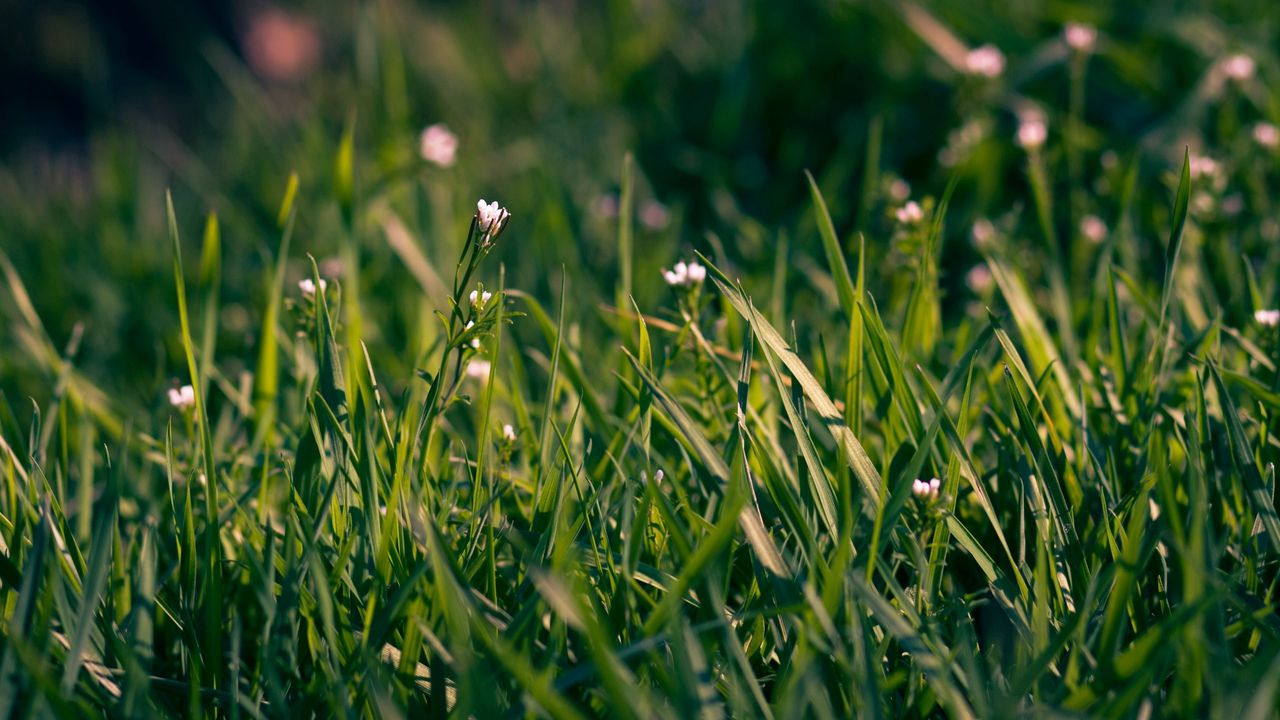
[(1080, 37), (479, 369), (1265, 318), (986, 61), (1032, 133), (438, 145), (654, 215), (183, 397), (979, 279), (657, 476), (685, 275), (1238, 67), (479, 299), (1266, 135), (1203, 166), (508, 433), (926, 490), (308, 287), (475, 341), (491, 217), (1093, 229), (910, 213)]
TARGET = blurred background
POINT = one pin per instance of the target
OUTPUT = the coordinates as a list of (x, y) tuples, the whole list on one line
[(724, 104)]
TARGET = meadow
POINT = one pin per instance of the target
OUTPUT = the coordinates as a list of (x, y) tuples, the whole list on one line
[(648, 359)]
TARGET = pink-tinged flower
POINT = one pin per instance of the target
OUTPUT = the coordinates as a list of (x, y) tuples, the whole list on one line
[(979, 279), (1238, 67), (986, 61), (1093, 229), (654, 215), (983, 233), (438, 145), (685, 275), (478, 369), (1265, 318), (183, 397), (308, 287), (926, 490), (1080, 37), (1032, 133), (479, 298), (281, 46), (491, 218), (899, 190), (1202, 166), (1266, 135), (910, 214)]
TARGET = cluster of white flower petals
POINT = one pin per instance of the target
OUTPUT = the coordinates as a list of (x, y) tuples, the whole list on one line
[(1080, 37), (480, 298), (1032, 132), (438, 145), (1238, 67), (1093, 229), (926, 489), (183, 397), (910, 214), (986, 61), (308, 287), (491, 217), (1265, 318), (508, 433), (1266, 135), (685, 275)]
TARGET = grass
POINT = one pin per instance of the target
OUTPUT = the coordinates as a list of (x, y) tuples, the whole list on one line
[(704, 505)]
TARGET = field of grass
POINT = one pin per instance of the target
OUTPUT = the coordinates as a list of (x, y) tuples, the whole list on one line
[(963, 402)]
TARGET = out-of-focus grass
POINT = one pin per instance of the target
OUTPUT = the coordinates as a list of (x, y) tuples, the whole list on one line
[(601, 494)]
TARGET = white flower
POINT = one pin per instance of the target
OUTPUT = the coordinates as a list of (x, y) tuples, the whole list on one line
[(479, 369), (479, 299), (654, 215), (438, 145), (1093, 228), (491, 218), (657, 476), (685, 275), (1266, 135), (1032, 133), (183, 397), (1080, 37), (910, 213), (475, 341), (308, 287), (926, 490), (508, 433), (978, 279), (986, 61), (1238, 67), (1203, 166), (1265, 318)]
